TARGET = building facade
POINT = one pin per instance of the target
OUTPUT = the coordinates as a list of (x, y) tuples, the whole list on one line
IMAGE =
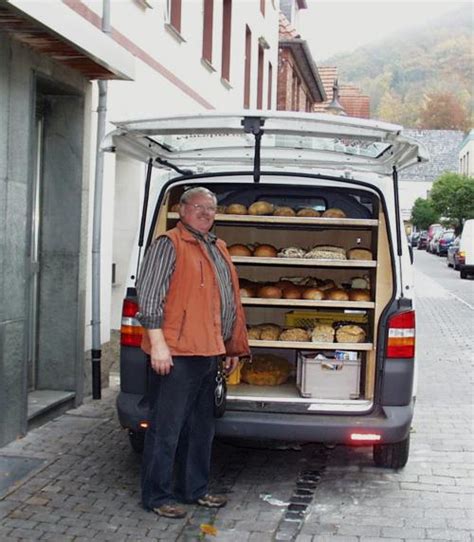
[(48, 58), (466, 155)]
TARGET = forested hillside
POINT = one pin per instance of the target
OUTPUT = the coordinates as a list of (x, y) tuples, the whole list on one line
[(420, 78)]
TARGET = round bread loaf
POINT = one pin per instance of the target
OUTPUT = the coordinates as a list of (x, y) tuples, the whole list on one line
[(322, 333), (359, 295), (247, 291), (266, 370), (261, 208), (336, 294), (236, 209), (254, 333), (350, 334), (312, 293), (308, 211), (270, 333), (239, 250), (359, 254), (283, 283), (326, 284), (292, 292), (294, 334), (334, 212), (265, 251), (270, 292), (284, 211)]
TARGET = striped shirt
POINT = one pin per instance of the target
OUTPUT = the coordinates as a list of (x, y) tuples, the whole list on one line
[(155, 275)]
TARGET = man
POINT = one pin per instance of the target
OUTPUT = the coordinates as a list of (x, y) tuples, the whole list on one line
[(188, 294)]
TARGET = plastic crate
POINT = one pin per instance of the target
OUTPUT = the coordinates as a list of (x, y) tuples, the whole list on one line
[(311, 318), (321, 377)]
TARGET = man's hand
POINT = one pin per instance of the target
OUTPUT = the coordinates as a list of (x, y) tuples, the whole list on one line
[(230, 364), (160, 355)]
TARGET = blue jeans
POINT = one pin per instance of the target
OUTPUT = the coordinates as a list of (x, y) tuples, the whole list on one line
[(178, 443)]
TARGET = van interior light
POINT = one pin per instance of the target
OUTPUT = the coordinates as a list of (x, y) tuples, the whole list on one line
[(143, 425), (365, 437)]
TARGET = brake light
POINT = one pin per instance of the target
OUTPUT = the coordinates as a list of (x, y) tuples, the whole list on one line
[(130, 331), (401, 335)]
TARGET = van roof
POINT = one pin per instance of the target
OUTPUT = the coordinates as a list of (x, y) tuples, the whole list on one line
[(300, 141)]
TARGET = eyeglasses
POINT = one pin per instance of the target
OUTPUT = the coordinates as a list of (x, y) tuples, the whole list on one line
[(202, 208)]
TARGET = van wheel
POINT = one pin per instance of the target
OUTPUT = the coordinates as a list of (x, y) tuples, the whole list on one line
[(137, 441), (392, 456), (463, 274)]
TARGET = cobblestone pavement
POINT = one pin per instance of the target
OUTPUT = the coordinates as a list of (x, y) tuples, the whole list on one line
[(87, 487)]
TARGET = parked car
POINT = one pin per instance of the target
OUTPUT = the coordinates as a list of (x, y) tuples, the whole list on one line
[(432, 230), (452, 257), (433, 242), (444, 242), (422, 241), (414, 238), (466, 250), (371, 400)]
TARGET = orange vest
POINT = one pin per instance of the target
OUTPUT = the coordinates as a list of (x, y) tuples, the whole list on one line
[(192, 311)]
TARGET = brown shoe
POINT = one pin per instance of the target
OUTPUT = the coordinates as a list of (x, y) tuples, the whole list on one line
[(212, 501), (172, 511)]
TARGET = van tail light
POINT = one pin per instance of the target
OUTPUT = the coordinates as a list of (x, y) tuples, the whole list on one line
[(461, 256), (130, 331), (401, 335)]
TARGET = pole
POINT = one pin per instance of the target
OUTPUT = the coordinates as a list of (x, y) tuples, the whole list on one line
[(96, 352)]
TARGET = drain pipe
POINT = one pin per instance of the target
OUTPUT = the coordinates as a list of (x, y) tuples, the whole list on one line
[(96, 352)]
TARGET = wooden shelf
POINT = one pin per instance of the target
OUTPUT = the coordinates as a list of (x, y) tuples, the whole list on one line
[(307, 303), (291, 220), (306, 345), (304, 262)]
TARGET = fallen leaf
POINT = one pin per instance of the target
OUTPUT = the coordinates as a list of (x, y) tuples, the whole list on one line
[(208, 529)]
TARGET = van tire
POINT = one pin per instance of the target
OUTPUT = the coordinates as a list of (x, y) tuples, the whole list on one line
[(137, 441), (392, 456), (463, 274)]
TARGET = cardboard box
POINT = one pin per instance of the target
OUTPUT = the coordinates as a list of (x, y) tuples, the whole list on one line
[(333, 375)]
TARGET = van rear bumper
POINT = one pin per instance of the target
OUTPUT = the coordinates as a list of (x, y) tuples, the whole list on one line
[(391, 422)]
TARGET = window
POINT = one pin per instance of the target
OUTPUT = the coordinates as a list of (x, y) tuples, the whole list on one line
[(270, 82), (262, 7), (207, 30), (248, 65), (174, 11), (226, 27), (260, 78)]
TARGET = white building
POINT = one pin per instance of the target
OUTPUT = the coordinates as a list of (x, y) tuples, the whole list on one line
[(466, 155)]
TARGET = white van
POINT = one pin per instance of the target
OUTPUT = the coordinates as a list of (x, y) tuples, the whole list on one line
[(466, 249), (339, 178)]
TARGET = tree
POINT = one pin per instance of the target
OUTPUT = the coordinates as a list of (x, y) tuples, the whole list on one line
[(442, 111), (452, 196), (423, 214)]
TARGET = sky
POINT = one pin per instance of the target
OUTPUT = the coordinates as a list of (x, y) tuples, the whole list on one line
[(336, 26)]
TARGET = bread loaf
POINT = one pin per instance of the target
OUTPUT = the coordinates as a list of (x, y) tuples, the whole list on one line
[(266, 370), (294, 334), (326, 284), (308, 211), (261, 208), (326, 252), (265, 251), (323, 333), (283, 211), (291, 292), (254, 333), (350, 334), (359, 295), (336, 294), (291, 252), (236, 209), (360, 283), (270, 292), (313, 293), (239, 250), (359, 254), (334, 212), (247, 291)]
